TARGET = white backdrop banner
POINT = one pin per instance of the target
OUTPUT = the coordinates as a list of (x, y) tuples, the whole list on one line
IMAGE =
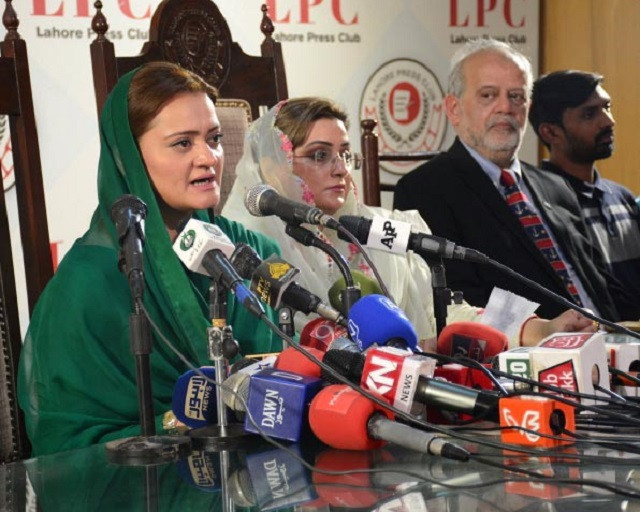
[(386, 59)]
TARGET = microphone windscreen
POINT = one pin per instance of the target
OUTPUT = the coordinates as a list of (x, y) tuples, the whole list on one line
[(245, 259), (255, 195), (376, 320), (194, 398), (476, 341), (237, 389), (236, 385), (339, 417), (292, 360), (346, 363), (366, 284)]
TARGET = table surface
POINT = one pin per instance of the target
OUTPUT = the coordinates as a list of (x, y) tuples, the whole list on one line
[(263, 477)]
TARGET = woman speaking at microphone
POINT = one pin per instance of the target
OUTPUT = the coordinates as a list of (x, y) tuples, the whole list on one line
[(301, 148), (161, 141)]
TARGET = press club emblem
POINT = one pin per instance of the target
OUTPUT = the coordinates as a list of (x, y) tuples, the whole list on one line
[(6, 155), (406, 100)]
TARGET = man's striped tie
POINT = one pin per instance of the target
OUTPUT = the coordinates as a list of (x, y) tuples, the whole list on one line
[(534, 227)]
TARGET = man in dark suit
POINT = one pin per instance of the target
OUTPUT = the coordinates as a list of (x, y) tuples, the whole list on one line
[(462, 193)]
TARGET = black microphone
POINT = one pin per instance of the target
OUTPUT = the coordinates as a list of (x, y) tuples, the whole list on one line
[(272, 280), (263, 200), (395, 236), (222, 271), (128, 213)]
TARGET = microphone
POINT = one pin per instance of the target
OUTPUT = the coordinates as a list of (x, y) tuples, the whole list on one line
[(194, 398), (291, 360), (263, 200), (128, 213), (272, 281), (238, 383), (375, 319), (320, 333), (367, 286), (381, 370), (365, 425), (474, 340), (278, 402), (395, 236), (204, 248), (245, 259)]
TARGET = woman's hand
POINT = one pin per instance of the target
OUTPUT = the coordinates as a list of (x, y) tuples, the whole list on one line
[(536, 329)]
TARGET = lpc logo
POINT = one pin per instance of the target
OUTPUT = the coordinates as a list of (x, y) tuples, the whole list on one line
[(406, 100), (187, 239), (6, 155)]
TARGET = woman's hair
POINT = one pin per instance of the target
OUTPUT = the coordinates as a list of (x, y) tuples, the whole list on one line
[(296, 116), (154, 85)]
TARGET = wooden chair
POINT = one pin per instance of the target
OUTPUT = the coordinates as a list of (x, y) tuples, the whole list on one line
[(16, 103), (371, 158), (195, 35)]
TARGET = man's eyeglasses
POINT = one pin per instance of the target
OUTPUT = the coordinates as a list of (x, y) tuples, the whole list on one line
[(326, 161)]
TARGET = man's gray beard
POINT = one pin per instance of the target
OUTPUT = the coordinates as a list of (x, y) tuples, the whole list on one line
[(511, 145)]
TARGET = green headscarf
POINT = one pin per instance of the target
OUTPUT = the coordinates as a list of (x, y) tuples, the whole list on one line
[(76, 380)]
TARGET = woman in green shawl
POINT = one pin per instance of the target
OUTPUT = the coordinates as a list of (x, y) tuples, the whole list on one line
[(161, 141)]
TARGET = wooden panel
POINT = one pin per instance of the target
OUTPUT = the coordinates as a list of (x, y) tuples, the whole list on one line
[(9, 103), (593, 35)]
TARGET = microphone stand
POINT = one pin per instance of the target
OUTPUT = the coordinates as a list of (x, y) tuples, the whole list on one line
[(441, 294), (285, 320), (221, 346), (148, 448), (351, 294)]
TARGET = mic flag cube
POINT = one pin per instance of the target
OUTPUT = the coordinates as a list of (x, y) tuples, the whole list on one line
[(319, 333), (541, 415), (394, 373), (271, 278), (196, 240), (517, 362), (623, 355), (278, 402), (572, 361), (279, 480)]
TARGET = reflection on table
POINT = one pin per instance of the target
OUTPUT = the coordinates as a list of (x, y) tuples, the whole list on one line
[(262, 477)]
